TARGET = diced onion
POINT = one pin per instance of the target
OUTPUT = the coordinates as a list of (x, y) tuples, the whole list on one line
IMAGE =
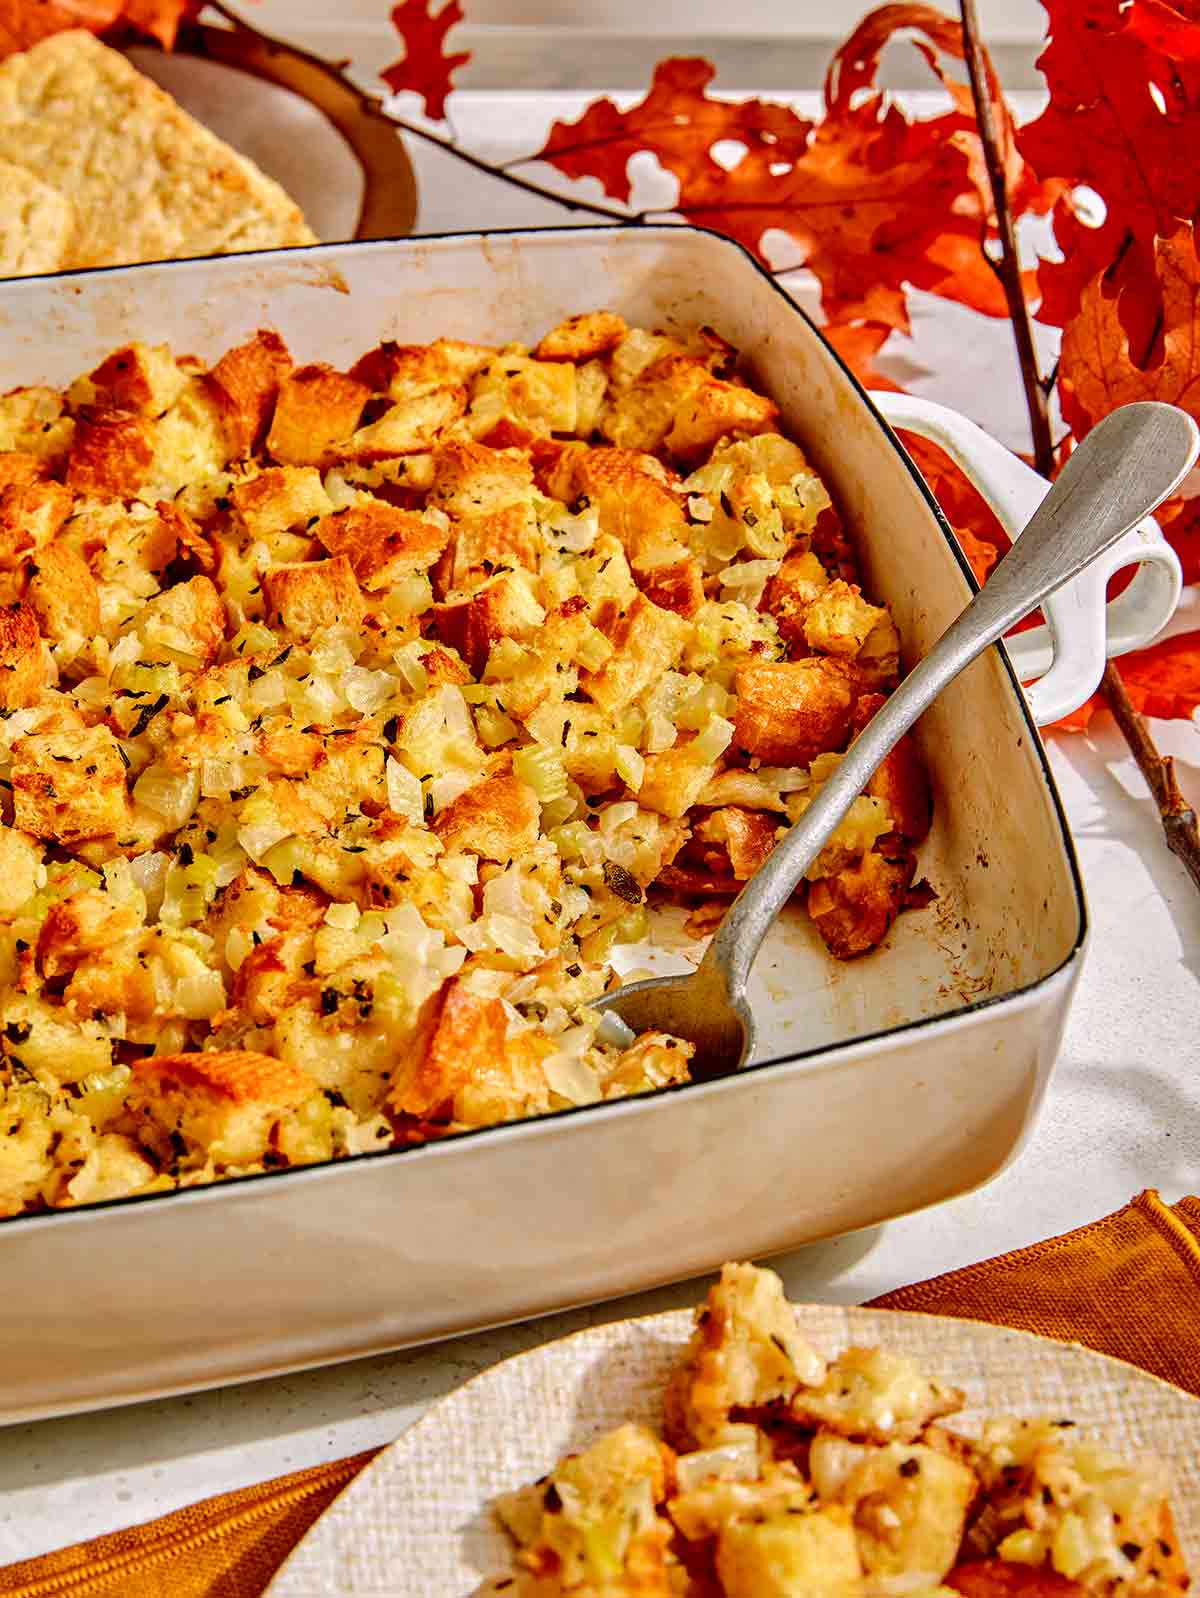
[(403, 791), (631, 768), (714, 740), (171, 795)]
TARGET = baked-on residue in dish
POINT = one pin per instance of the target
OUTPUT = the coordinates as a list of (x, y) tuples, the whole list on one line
[(348, 718)]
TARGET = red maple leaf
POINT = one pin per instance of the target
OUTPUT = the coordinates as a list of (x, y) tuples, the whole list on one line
[(677, 123), (425, 67)]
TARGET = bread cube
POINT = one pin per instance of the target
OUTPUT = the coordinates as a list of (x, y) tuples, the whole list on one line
[(811, 1555), (23, 668), (185, 623), (69, 785), (307, 595), (677, 586), (640, 415), (503, 608), (481, 544), (853, 910), (875, 1394), (279, 498), (139, 378), (81, 925), (245, 382), (646, 642), (20, 869), (224, 1105), (463, 1031), (839, 620), (787, 714), (316, 408), (405, 371), (747, 836), (714, 409), (578, 338), (63, 594), (18, 466), (382, 543), (674, 780), (472, 480), (629, 492), (410, 426), (30, 516), (32, 421), (497, 819), (112, 455), (539, 395)]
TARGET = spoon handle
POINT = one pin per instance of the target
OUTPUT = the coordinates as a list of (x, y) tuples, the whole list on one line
[(1122, 471)]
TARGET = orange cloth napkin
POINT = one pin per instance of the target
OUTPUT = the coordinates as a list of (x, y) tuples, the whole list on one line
[(1125, 1285)]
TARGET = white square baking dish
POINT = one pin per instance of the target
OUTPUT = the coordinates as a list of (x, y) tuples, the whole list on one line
[(886, 1085)]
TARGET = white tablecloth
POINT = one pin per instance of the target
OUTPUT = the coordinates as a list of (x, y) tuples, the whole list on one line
[(1123, 1112)]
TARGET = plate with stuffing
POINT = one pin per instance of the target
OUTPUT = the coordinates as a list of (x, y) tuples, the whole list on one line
[(760, 1450), (404, 642)]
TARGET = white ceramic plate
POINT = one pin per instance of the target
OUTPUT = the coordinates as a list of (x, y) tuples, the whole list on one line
[(416, 1522)]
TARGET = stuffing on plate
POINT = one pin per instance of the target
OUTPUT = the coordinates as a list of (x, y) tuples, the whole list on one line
[(782, 1475), (348, 719)]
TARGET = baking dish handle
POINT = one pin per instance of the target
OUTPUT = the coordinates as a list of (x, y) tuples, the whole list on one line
[(1061, 663)]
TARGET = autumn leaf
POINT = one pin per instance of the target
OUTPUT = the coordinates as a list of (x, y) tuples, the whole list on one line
[(677, 123), (1098, 368), (426, 68), (1168, 28), (1123, 119), (24, 22), (1180, 523), (1162, 681), (975, 524)]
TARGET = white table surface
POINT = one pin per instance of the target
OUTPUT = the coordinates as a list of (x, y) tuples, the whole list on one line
[(1123, 1112)]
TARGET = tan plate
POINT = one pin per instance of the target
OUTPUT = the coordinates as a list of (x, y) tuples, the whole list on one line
[(302, 122), (415, 1523)]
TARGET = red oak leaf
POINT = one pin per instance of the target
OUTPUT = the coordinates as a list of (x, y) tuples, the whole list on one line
[(1163, 681), (1124, 120), (1180, 523), (24, 22), (979, 533), (425, 67), (1169, 28), (677, 123), (1098, 368)]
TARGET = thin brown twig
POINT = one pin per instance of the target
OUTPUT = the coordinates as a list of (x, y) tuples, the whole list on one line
[(1178, 818)]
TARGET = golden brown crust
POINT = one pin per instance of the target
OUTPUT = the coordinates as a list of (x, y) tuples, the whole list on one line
[(463, 1029), (854, 909), (112, 455), (245, 382), (578, 338), (137, 378), (63, 594), (69, 785), (301, 598), (30, 515), (1003, 1578), (409, 426), (316, 408), (231, 1076), (20, 467), (382, 543), (497, 819), (23, 671), (788, 713), (503, 608)]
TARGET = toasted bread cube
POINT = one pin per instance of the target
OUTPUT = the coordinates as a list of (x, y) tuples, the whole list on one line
[(20, 869), (472, 480), (901, 782), (112, 455), (23, 669), (246, 384), (382, 543), (190, 542), (224, 1105), (631, 496), (811, 1555), (410, 426), (799, 581), (578, 338), (503, 608), (185, 623), (30, 516), (463, 1031), (63, 594), (404, 371), (874, 1394), (18, 467), (539, 395), (677, 586), (83, 924), (747, 1352), (497, 819), (715, 409), (279, 498), (853, 910), (139, 378), (787, 714), (70, 785), (32, 421), (1004, 1578), (646, 641), (189, 442), (748, 837), (317, 407), (310, 594), (909, 1503), (641, 414), (839, 620), (674, 780), (481, 544)]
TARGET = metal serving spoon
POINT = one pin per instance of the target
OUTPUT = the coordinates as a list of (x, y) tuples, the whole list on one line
[(1121, 472)]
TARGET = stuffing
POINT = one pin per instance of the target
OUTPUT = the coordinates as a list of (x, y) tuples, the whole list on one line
[(787, 714), (372, 710), (316, 408), (23, 670), (245, 383), (69, 785), (383, 544), (306, 595), (813, 1553)]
